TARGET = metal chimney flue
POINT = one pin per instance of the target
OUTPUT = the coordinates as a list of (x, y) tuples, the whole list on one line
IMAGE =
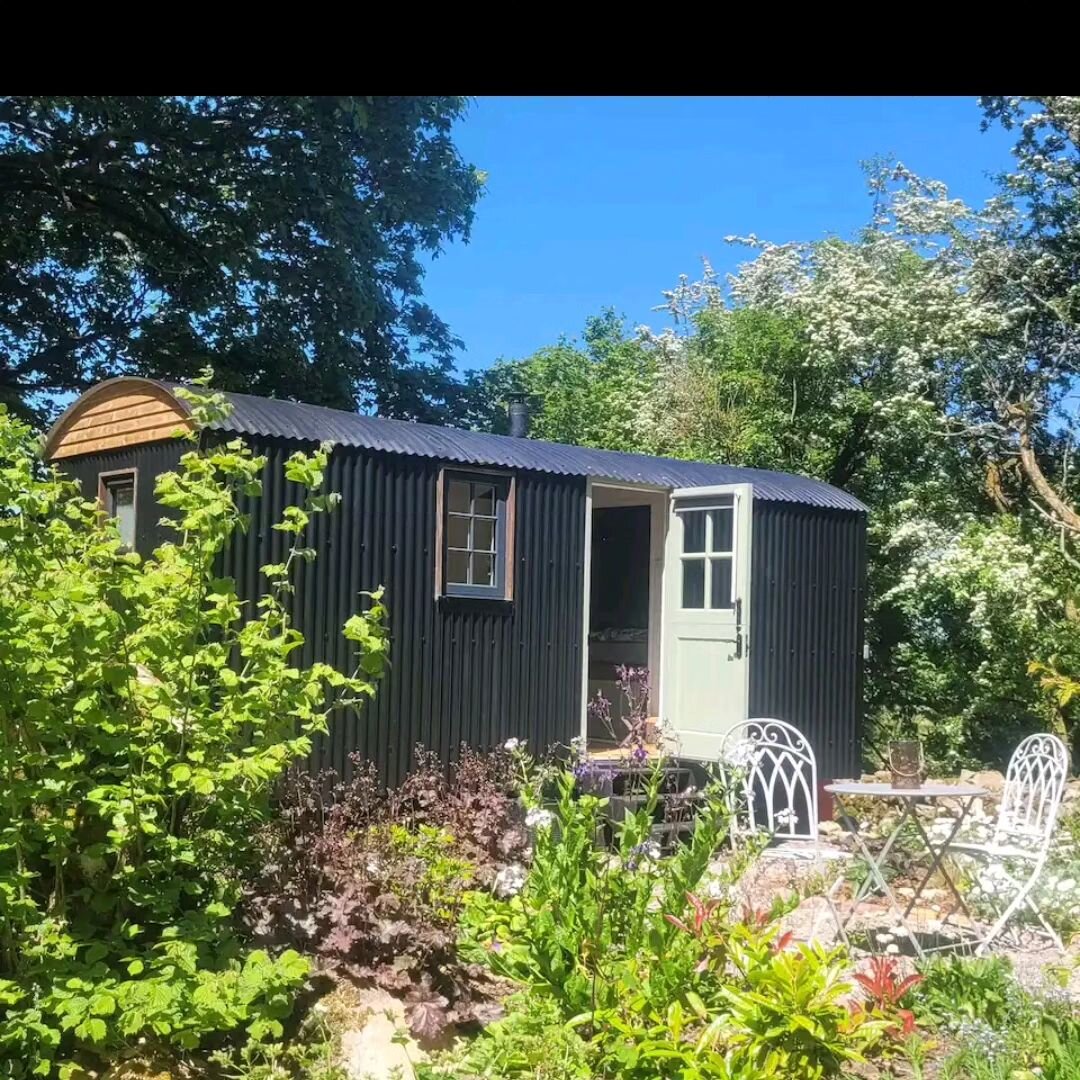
[(518, 410)]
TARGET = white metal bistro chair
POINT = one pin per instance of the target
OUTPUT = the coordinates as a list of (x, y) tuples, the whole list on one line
[(775, 787), (1020, 844)]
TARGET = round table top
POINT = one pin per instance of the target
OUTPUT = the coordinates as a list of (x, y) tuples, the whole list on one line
[(931, 790)]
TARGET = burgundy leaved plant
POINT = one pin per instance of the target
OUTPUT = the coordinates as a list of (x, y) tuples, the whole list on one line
[(337, 881)]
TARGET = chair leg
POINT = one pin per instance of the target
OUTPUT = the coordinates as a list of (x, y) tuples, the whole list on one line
[(1055, 937), (829, 894), (1021, 899), (998, 927)]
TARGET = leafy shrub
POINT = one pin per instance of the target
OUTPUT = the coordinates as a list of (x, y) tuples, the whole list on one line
[(787, 1018), (533, 1042), (645, 959), (313, 1053), (374, 881), (1001, 1030), (978, 988), (580, 908), (145, 714)]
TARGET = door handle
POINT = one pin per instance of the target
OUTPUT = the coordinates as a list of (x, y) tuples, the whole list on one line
[(737, 655)]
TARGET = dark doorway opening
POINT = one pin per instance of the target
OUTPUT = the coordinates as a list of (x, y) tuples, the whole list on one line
[(618, 604)]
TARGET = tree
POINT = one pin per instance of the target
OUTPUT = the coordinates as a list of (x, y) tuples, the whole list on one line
[(876, 364), (590, 393), (146, 713), (277, 237)]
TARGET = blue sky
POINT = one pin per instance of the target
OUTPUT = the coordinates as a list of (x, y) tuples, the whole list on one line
[(596, 202)]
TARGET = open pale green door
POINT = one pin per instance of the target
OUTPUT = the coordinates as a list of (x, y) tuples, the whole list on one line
[(705, 625)]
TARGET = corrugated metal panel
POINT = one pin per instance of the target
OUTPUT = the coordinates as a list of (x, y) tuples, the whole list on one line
[(274, 418), (151, 460), (462, 670), (806, 632)]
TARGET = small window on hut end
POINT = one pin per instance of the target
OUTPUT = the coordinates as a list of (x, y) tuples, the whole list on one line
[(116, 492), (475, 552)]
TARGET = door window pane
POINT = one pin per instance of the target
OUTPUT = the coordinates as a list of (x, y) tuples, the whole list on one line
[(722, 531), (693, 583), (720, 586), (693, 531)]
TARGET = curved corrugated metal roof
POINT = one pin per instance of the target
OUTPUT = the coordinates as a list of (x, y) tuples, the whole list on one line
[(294, 420), (313, 423)]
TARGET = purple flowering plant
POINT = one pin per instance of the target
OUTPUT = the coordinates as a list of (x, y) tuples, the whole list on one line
[(635, 685)]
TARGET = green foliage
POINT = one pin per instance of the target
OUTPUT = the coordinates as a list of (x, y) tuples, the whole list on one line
[(592, 394), (968, 597), (788, 1020), (444, 875), (313, 1053), (1000, 1031), (279, 236), (533, 1042), (581, 910), (655, 979), (978, 989), (145, 713)]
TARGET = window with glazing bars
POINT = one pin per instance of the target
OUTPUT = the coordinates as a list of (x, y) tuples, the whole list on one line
[(475, 535), (708, 555)]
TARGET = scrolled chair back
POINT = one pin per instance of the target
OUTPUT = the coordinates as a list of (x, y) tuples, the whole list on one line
[(773, 767), (1034, 786)]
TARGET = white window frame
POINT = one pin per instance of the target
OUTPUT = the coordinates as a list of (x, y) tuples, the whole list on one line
[(708, 555)]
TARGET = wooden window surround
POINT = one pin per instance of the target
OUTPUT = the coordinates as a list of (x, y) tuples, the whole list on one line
[(474, 534), (113, 485)]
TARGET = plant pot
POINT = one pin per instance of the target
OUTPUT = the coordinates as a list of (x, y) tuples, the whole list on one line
[(620, 807)]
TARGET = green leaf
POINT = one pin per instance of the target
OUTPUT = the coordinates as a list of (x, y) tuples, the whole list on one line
[(695, 1003), (204, 785), (94, 1030), (103, 1004)]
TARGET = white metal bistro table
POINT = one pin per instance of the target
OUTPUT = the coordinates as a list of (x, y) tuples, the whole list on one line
[(963, 794)]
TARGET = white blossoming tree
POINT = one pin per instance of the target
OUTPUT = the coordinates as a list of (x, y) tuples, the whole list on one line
[(929, 366)]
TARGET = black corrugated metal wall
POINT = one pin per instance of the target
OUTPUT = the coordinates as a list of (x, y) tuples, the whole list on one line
[(808, 581), (150, 460), (462, 670), (480, 671)]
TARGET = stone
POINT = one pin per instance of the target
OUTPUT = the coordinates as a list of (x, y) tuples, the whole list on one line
[(368, 1050), (830, 829), (990, 779), (812, 920)]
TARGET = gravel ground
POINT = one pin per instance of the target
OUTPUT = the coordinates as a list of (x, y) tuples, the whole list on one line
[(1034, 959)]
